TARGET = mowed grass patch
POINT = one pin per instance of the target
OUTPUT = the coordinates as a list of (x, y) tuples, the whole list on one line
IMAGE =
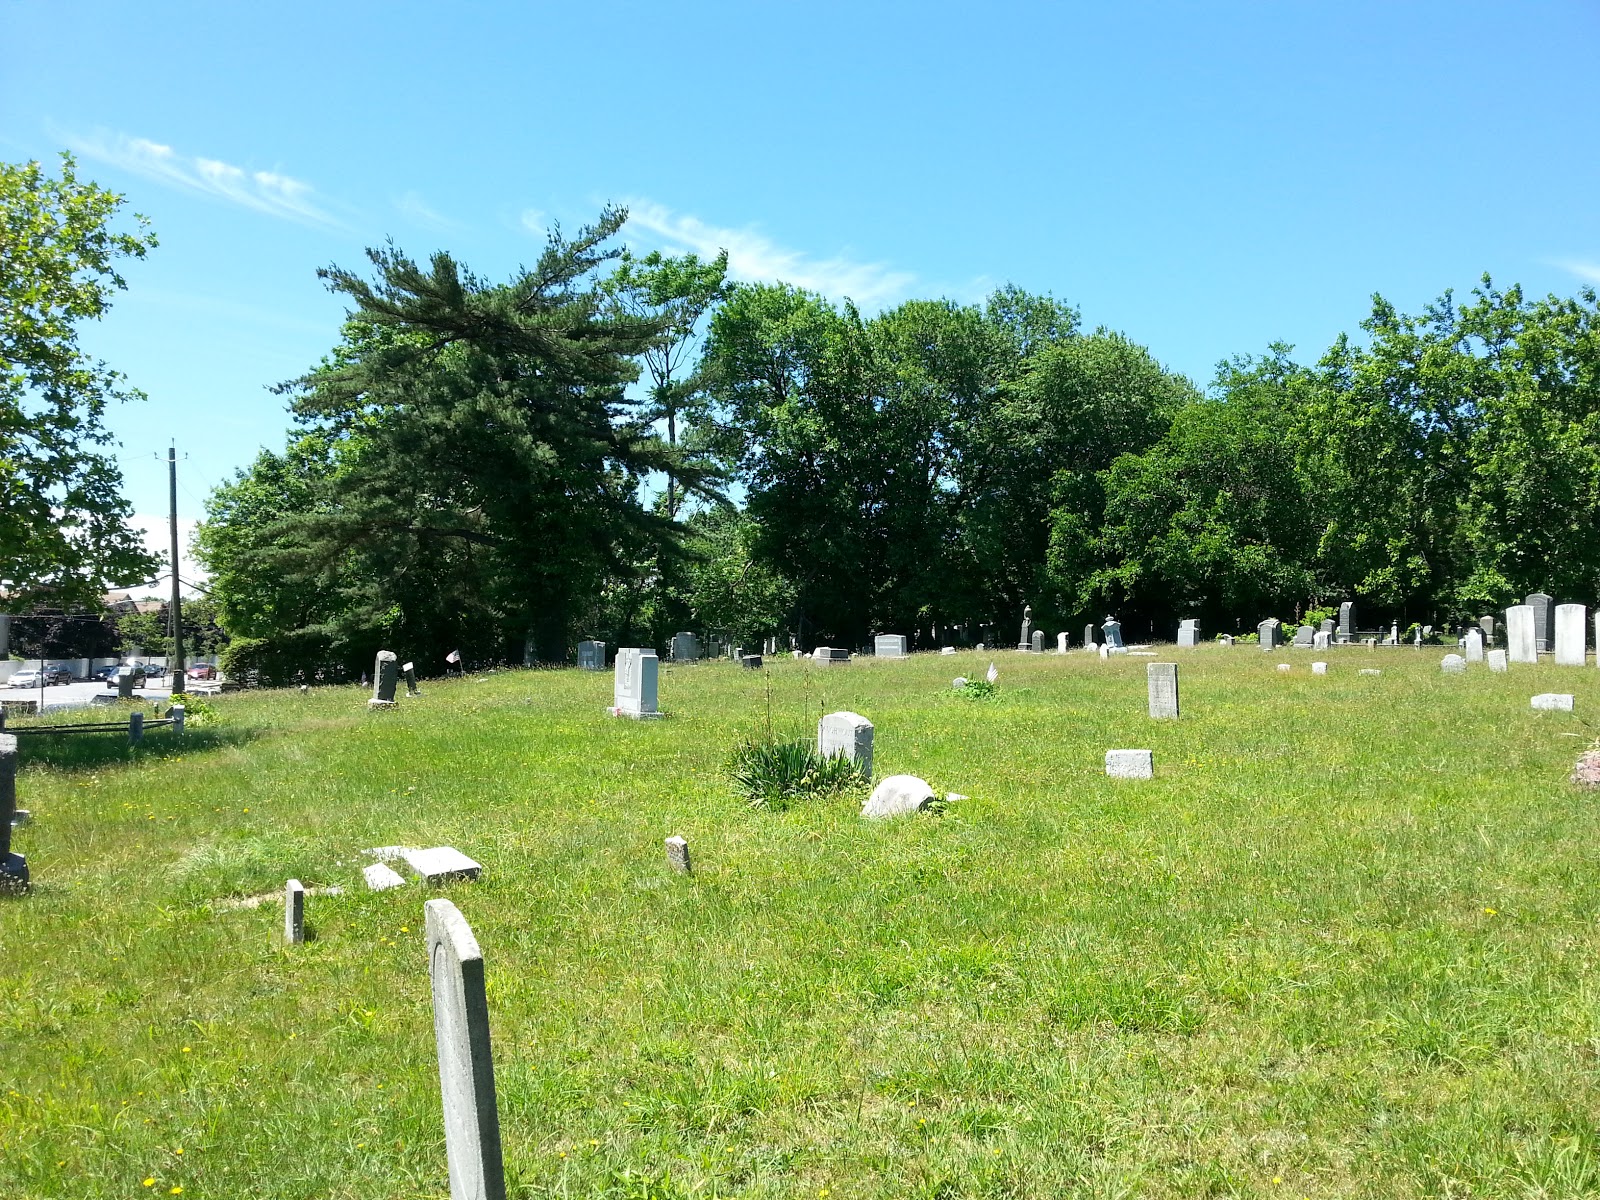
[(1343, 944)]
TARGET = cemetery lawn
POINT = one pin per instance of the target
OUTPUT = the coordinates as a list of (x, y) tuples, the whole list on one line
[(1344, 943)]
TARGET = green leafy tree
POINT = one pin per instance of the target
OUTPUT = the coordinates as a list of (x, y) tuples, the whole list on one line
[(730, 589), (63, 519)]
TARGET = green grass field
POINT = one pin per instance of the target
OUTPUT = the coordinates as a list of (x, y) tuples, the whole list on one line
[(1344, 944)]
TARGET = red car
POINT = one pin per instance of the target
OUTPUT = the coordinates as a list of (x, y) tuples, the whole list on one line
[(201, 671)]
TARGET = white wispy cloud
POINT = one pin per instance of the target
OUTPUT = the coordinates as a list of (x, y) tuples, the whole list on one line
[(417, 210), (533, 220), (1587, 271), (269, 192), (755, 257)]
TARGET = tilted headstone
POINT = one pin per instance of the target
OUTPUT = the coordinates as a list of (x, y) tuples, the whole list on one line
[(1088, 637), (678, 855), (1305, 636), (1130, 764), (13, 867), (381, 877), (1161, 680), (294, 912), (1267, 631), (1347, 621), (1544, 621), (466, 1062), (889, 645), (1472, 645), (1112, 628), (848, 734), (1571, 635), (1497, 660), (385, 677), (1552, 701), (897, 796), (1061, 643), (440, 864), (1038, 641), (1521, 643), (1453, 664), (634, 680), (1227, 640), (1025, 642), (591, 656), (1188, 632)]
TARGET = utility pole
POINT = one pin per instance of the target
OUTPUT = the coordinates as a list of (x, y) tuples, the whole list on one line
[(177, 610)]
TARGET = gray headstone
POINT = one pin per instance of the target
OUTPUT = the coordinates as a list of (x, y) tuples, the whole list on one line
[(634, 680), (1552, 701), (385, 677), (1188, 632), (1472, 645), (294, 912), (1112, 628), (1130, 764), (1305, 636), (440, 864), (125, 683), (848, 734), (1521, 643), (1267, 631), (1326, 626), (1347, 620), (1571, 635), (1497, 660), (1088, 637), (1161, 680), (1544, 614), (750, 662), (1025, 642), (898, 795), (1038, 641), (466, 1062), (135, 728), (409, 670), (1453, 664), (381, 877), (685, 648), (13, 867), (1487, 624), (678, 855), (889, 645), (591, 656)]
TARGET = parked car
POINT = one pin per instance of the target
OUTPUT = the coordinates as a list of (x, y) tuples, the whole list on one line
[(28, 677), (202, 671), (109, 674)]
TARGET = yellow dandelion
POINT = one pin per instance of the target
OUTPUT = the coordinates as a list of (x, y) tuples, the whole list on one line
[(179, 1150), (150, 1182), (186, 1049), (173, 1191), (1490, 911)]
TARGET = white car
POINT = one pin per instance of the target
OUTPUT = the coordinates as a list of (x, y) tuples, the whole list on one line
[(26, 678)]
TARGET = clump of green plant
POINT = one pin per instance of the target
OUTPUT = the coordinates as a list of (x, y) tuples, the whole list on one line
[(771, 774), (198, 712), (978, 689)]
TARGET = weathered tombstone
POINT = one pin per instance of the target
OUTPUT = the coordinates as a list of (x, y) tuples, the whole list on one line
[(294, 912), (1326, 626), (1305, 636), (409, 670), (1453, 664), (1025, 642), (466, 1063), (685, 648), (1038, 641), (1105, 650), (1227, 640), (591, 656), (678, 855), (1417, 640), (1112, 628), (385, 676), (125, 683), (1161, 680), (1552, 701), (381, 877), (1472, 645), (830, 656), (1521, 643), (13, 867), (1347, 621), (1370, 671), (1497, 660), (1188, 632), (1570, 635), (750, 662), (1321, 640), (897, 796), (1061, 643), (440, 864), (633, 688), (849, 735), (889, 645), (135, 728), (1544, 613), (947, 649), (1319, 668), (1285, 667), (1394, 633), (1088, 637), (1267, 631), (1487, 624), (1130, 764)]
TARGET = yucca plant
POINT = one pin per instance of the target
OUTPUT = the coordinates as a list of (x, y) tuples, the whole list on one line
[(769, 774)]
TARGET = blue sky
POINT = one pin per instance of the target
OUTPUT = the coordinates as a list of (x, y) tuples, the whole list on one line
[(1207, 178)]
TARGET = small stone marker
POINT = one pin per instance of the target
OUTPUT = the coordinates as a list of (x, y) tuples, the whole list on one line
[(898, 795), (591, 656), (381, 877), (385, 675), (466, 1062), (1285, 667), (1570, 635), (1188, 633), (848, 734), (889, 645), (1161, 681), (830, 656), (1472, 645), (1319, 668), (947, 649), (13, 867), (678, 855), (135, 728), (1061, 643), (634, 682), (294, 912), (1453, 664), (1497, 661), (750, 662), (1521, 645), (409, 670), (1130, 764), (178, 713), (1371, 671), (441, 864), (1552, 702)]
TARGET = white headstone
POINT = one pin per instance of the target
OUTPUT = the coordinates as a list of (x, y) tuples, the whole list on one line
[(1453, 664), (440, 864), (1105, 651), (1162, 684), (1188, 632), (1520, 644), (889, 645), (1472, 645), (381, 877), (635, 676), (830, 656), (1130, 764), (466, 1062), (1552, 701), (1370, 671), (1061, 643), (848, 734), (898, 795), (1319, 668), (1497, 660), (1284, 667), (294, 912), (947, 649), (1571, 635)]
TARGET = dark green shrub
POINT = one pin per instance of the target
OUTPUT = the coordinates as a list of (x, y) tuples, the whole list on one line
[(770, 774)]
